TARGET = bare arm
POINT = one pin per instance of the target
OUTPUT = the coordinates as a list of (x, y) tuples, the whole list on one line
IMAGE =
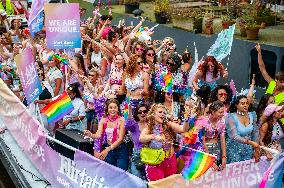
[(58, 83), (99, 132), (223, 144), (251, 89), (262, 65), (145, 136), (197, 76), (103, 67), (145, 84), (178, 128)]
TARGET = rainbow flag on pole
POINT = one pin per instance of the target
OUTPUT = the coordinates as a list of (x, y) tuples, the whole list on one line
[(198, 164), (58, 108)]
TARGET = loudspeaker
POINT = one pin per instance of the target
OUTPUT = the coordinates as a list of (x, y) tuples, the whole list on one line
[(74, 138)]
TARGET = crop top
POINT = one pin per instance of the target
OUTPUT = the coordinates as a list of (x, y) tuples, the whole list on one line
[(137, 83)]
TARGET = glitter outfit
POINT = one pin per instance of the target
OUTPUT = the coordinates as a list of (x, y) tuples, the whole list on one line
[(237, 135)]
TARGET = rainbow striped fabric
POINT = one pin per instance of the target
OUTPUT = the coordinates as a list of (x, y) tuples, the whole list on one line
[(58, 108), (126, 108), (198, 164)]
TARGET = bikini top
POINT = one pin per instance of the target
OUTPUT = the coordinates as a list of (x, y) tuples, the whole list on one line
[(158, 130), (115, 77), (137, 83)]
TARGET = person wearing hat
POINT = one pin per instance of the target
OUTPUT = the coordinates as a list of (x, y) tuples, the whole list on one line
[(272, 131)]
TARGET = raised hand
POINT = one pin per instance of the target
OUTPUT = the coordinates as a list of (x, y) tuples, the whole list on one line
[(257, 47)]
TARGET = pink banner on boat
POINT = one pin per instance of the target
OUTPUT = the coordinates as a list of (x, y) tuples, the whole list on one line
[(60, 171)]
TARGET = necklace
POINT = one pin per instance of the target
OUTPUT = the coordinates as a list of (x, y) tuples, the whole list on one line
[(112, 118), (241, 113)]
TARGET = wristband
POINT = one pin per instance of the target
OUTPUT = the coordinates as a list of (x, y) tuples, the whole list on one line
[(224, 157)]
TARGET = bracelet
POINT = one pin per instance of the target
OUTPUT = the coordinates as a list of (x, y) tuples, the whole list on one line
[(111, 147), (224, 157)]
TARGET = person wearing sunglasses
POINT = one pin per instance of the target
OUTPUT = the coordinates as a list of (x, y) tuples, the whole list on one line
[(139, 48), (151, 59), (221, 93), (135, 126)]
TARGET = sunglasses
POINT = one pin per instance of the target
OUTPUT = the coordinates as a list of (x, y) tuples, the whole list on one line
[(223, 94), (91, 75), (139, 49), (142, 111), (151, 54)]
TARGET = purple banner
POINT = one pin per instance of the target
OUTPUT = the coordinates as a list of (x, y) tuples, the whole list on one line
[(62, 22), (84, 171), (28, 75)]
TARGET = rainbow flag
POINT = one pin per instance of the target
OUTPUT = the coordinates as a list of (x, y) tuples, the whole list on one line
[(126, 108), (198, 164), (168, 81), (58, 108)]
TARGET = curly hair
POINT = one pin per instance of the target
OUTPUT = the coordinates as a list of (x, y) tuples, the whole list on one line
[(150, 119), (141, 43), (203, 93), (108, 102), (131, 65), (204, 67), (214, 94)]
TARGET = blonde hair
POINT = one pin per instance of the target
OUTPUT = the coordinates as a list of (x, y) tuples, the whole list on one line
[(150, 119)]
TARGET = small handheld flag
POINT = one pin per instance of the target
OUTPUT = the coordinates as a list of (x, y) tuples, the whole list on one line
[(58, 108), (168, 81), (198, 164), (126, 108)]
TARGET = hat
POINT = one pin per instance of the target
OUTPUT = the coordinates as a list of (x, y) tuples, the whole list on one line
[(271, 108), (3, 13)]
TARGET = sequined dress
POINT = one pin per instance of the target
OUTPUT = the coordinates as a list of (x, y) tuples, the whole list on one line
[(237, 135)]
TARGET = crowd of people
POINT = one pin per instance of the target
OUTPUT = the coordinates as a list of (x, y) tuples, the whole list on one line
[(169, 111)]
